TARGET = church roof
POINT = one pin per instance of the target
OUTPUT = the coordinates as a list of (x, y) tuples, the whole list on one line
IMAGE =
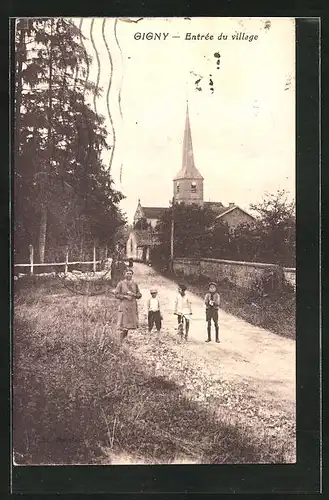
[(188, 170), (154, 212)]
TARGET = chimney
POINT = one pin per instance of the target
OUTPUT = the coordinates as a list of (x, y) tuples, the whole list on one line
[(231, 204)]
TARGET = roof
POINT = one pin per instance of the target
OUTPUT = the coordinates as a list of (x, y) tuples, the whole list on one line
[(188, 170), (230, 209), (216, 206), (154, 212)]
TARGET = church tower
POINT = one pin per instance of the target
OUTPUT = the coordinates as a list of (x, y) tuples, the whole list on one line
[(188, 183)]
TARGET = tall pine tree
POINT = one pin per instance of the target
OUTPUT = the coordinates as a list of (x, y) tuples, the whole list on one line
[(63, 192)]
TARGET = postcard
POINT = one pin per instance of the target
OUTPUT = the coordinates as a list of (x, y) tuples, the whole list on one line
[(154, 241)]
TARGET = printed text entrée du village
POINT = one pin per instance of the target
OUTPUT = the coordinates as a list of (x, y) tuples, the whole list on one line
[(196, 36)]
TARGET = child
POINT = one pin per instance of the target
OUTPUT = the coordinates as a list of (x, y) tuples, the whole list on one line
[(153, 311), (183, 307), (212, 301)]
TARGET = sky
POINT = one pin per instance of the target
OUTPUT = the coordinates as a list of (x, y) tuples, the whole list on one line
[(243, 130)]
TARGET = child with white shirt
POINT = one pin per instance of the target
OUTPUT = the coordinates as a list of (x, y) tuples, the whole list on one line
[(153, 311), (183, 308)]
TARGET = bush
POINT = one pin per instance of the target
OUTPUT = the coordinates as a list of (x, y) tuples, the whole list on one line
[(270, 283)]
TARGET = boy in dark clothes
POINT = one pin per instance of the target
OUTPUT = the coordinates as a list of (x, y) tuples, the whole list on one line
[(212, 301)]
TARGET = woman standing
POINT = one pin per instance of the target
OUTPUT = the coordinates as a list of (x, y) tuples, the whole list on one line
[(127, 292)]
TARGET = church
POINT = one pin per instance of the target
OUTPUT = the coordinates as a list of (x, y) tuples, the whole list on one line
[(188, 189)]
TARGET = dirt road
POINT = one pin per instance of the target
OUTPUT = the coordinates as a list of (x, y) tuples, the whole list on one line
[(247, 381), (246, 353)]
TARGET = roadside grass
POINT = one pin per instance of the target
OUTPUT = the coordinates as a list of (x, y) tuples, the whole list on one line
[(79, 396), (275, 312)]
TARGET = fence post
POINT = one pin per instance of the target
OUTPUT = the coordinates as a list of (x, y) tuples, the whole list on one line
[(31, 259), (94, 259), (172, 232), (66, 261)]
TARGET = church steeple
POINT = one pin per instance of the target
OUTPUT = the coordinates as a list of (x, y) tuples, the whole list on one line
[(188, 170), (188, 183)]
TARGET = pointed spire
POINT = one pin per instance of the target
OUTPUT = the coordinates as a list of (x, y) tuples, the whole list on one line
[(188, 170)]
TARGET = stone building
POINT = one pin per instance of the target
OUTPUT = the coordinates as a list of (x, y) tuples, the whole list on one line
[(151, 214), (139, 244), (234, 216), (187, 188)]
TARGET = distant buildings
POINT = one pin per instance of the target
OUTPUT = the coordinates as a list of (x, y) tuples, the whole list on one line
[(188, 189), (151, 214)]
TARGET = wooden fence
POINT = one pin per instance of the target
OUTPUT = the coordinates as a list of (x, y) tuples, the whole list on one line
[(66, 264)]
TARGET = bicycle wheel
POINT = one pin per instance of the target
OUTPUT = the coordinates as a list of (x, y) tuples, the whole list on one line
[(185, 331), (180, 328)]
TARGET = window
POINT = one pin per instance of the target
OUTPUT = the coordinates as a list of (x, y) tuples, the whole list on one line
[(177, 187), (193, 187), (131, 246)]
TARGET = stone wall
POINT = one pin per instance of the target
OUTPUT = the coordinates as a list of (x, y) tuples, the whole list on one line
[(187, 267), (290, 275), (243, 274)]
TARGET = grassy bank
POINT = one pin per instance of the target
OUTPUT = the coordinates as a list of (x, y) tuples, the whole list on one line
[(275, 312), (79, 395)]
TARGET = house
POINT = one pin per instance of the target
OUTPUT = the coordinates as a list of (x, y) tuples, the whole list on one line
[(188, 189), (234, 216), (151, 214), (139, 243)]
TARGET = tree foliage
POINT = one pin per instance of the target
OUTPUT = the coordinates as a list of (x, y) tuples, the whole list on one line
[(63, 192), (197, 233), (142, 224), (192, 233), (275, 229)]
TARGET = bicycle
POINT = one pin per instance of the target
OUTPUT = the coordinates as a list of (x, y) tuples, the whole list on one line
[(182, 329)]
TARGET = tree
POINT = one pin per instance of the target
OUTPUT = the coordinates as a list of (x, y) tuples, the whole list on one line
[(45, 51), (245, 242), (60, 179), (219, 241), (142, 224), (270, 239), (121, 236), (192, 229), (276, 223)]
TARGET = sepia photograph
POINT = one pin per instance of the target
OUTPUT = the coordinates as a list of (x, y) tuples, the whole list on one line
[(153, 252)]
